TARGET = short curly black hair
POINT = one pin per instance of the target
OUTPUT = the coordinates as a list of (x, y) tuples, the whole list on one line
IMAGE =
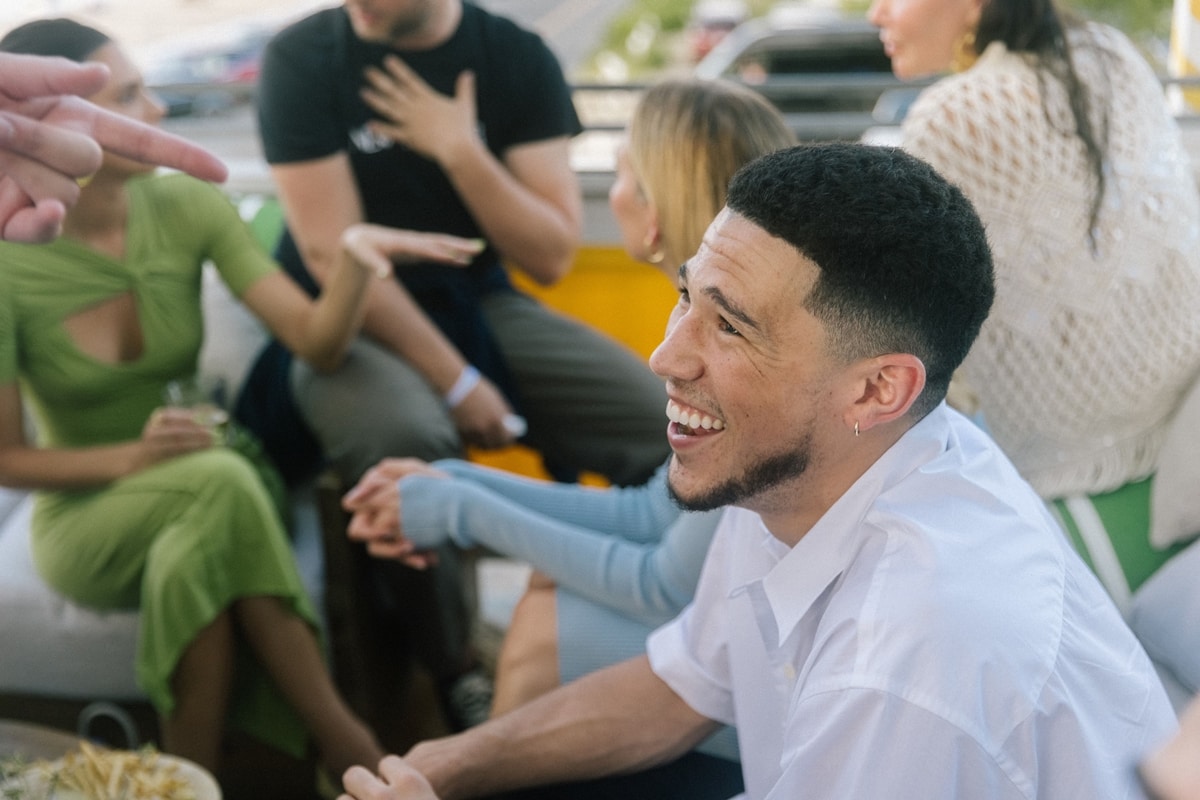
[(903, 257)]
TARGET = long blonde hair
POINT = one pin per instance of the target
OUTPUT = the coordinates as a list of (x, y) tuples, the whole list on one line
[(687, 138)]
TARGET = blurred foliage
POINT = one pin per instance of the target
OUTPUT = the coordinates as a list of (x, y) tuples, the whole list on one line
[(1139, 18), (643, 39)]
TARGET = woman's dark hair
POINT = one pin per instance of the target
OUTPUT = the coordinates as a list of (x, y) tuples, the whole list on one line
[(54, 37), (1038, 27)]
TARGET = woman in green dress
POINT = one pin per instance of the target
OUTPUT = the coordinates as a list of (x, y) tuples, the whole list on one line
[(137, 507)]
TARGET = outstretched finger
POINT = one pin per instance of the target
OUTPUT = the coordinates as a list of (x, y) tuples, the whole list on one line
[(151, 145)]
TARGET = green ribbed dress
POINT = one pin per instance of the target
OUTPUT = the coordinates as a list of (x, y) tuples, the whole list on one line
[(183, 539)]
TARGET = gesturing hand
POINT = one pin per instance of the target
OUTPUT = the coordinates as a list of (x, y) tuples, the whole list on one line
[(378, 247), (417, 116)]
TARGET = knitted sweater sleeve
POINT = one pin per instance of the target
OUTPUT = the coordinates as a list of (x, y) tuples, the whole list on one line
[(624, 549)]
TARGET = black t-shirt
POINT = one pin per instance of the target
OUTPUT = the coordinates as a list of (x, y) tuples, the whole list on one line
[(309, 107)]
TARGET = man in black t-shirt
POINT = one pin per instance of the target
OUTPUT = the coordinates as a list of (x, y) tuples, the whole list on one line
[(436, 115)]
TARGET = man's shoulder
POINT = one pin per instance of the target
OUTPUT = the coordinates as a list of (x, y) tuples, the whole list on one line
[(316, 27), (176, 187), (493, 26)]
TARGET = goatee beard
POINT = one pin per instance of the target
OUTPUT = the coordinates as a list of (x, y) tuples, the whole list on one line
[(760, 477)]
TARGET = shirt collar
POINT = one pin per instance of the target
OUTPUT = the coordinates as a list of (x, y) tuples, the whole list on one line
[(824, 553)]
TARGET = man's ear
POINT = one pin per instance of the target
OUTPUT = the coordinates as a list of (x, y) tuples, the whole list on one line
[(887, 386)]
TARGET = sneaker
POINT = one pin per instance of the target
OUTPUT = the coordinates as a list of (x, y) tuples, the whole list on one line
[(470, 699)]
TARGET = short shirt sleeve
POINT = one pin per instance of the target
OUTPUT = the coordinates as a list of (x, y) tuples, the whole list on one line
[(690, 653), (299, 113), (196, 217), (535, 97)]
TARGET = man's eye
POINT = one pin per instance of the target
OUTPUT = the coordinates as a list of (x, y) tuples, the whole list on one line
[(727, 328)]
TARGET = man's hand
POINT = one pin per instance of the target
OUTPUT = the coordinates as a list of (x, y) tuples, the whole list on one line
[(374, 504), (396, 781), (417, 116), (480, 417), (50, 138)]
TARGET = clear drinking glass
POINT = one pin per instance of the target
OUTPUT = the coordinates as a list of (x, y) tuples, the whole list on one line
[(206, 411)]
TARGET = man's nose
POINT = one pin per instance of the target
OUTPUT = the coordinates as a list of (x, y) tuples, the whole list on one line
[(676, 357)]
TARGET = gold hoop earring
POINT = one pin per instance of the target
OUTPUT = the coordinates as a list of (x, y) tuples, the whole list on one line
[(855, 429), (965, 54), (654, 251)]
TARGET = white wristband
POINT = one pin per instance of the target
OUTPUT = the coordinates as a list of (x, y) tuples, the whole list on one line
[(468, 379)]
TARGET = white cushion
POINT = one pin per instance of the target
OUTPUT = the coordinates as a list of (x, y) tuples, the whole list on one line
[(233, 338), (52, 646), (1175, 493)]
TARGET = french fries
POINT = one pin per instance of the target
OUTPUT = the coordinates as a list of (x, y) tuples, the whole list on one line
[(99, 774)]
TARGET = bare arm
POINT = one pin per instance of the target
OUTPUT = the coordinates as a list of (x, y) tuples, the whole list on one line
[(167, 434), (620, 719), (321, 200), (529, 206), (320, 331)]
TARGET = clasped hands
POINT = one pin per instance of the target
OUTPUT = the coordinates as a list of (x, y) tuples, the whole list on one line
[(374, 505)]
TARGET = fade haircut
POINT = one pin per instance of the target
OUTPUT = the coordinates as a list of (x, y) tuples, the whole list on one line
[(903, 258)]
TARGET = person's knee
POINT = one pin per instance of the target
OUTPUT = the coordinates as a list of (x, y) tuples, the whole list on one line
[(375, 407), (355, 454)]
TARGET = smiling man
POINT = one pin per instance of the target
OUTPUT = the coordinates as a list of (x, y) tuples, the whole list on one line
[(887, 609)]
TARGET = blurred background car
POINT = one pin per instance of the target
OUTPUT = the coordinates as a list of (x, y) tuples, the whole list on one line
[(823, 67), (212, 77)]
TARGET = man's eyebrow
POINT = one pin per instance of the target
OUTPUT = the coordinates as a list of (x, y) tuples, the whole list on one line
[(732, 309)]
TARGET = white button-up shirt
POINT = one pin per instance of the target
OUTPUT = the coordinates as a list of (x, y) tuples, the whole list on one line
[(933, 636)]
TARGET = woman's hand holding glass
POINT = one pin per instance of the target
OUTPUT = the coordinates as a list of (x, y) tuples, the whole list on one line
[(171, 432)]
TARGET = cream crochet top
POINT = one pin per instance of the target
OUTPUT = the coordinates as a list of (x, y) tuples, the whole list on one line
[(1084, 357)]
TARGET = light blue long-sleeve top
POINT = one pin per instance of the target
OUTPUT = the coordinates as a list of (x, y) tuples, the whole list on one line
[(630, 549), (625, 560)]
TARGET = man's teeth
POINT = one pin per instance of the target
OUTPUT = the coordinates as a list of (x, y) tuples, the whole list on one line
[(692, 419)]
